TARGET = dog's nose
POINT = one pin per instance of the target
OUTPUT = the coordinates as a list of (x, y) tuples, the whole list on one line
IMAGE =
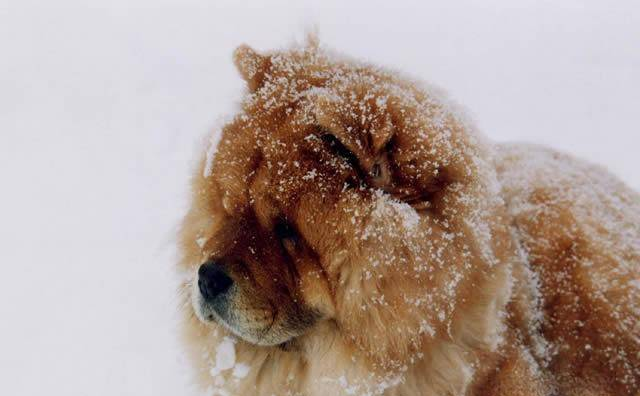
[(213, 280)]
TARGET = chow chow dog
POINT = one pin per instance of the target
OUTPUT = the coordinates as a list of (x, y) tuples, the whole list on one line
[(353, 234)]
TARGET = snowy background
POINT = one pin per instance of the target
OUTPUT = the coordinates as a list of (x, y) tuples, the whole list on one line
[(103, 107)]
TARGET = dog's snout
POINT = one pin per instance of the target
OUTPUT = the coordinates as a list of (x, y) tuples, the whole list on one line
[(213, 280)]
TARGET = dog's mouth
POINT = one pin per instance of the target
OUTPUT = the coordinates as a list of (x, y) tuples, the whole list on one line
[(221, 311), (268, 325)]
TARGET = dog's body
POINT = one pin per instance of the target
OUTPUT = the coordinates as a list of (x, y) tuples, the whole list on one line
[(360, 238)]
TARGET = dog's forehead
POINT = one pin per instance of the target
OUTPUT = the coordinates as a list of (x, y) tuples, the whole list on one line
[(269, 187), (274, 149), (297, 166)]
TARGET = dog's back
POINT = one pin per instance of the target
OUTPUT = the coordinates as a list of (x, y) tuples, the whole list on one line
[(579, 228)]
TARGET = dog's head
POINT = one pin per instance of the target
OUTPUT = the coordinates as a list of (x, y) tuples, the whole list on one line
[(341, 194)]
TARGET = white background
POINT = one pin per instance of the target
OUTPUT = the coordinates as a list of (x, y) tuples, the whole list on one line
[(104, 106)]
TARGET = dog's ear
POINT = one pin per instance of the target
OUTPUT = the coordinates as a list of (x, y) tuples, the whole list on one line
[(251, 65)]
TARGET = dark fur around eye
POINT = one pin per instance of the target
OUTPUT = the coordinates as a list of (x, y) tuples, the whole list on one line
[(338, 148), (284, 230)]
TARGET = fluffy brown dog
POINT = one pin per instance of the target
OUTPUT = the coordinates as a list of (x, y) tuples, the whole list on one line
[(353, 235)]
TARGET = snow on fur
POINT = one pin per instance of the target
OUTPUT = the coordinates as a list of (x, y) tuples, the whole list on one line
[(423, 275)]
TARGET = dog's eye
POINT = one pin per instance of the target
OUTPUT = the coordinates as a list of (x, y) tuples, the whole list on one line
[(284, 230), (376, 171), (338, 148), (287, 236)]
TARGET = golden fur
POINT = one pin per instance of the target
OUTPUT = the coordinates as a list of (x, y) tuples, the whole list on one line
[(419, 259)]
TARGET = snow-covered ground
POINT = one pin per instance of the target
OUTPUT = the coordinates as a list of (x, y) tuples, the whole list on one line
[(103, 105)]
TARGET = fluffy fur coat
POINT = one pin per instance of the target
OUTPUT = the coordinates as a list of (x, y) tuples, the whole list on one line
[(418, 258)]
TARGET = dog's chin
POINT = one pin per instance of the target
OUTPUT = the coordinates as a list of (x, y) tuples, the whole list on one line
[(258, 337), (210, 314)]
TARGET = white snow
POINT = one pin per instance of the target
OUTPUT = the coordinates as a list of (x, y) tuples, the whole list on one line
[(241, 370), (225, 360), (225, 356), (310, 175), (201, 241), (105, 107)]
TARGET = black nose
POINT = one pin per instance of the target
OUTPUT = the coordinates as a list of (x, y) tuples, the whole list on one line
[(212, 280)]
